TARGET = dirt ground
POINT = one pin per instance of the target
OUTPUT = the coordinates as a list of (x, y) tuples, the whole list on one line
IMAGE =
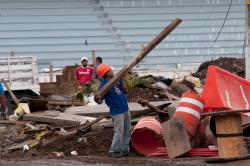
[(106, 161), (92, 151), (233, 65), (92, 143), (146, 93)]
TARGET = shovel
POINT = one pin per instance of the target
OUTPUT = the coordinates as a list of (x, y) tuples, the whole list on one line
[(21, 107)]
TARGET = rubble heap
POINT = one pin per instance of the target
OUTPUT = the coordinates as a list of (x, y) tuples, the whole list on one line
[(233, 65)]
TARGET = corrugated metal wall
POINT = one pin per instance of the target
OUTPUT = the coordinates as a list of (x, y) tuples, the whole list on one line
[(62, 31)]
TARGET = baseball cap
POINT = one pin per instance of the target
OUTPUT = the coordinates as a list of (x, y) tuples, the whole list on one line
[(84, 58)]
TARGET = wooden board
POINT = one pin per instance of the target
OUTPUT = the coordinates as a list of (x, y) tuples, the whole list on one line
[(20, 145), (50, 88), (69, 73), (176, 137), (103, 109), (226, 159), (59, 78), (229, 112), (61, 118), (66, 102), (230, 146)]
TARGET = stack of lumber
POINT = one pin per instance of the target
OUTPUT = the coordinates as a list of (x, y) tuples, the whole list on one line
[(64, 84)]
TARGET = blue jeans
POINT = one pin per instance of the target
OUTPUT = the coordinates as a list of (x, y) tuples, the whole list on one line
[(122, 133)]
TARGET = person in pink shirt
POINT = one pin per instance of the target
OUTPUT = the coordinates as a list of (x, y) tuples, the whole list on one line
[(84, 73)]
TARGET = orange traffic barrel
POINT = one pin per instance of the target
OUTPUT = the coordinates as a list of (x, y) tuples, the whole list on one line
[(147, 135), (190, 108)]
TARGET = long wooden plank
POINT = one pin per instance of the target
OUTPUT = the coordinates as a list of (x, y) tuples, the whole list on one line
[(226, 159), (10, 91), (60, 118), (141, 55), (151, 106), (93, 59), (103, 109), (229, 112), (20, 145), (176, 137), (66, 102)]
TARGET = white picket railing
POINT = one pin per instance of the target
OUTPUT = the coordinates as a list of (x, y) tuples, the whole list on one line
[(19, 71)]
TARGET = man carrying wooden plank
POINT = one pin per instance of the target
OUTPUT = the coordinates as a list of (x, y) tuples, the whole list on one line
[(3, 103), (116, 100)]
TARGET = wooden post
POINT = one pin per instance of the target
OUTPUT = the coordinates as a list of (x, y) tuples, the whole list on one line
[(230, 135), (247, 47), (51, 73), (10, 91), (93, 58), (141, 55), (34, 70), (9, 70), (12, 54)]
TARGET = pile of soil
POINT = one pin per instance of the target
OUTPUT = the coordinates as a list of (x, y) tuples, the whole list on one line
[(92, 143), (233, 65), (142, 92)]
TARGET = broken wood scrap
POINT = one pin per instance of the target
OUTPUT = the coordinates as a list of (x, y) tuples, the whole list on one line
[(145, 102), (169, 95), (20, 145), (226, 159), (162, 115), (20, 137), (103, 109), (78, 129), (150, 112), (31, 126), (17, 123), (34, 131), (62, 118), (109, 124), (66, 102), (176, 137), (31, 143), (39, 129)]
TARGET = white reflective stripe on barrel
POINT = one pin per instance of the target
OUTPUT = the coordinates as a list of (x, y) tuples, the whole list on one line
[(192, 101), (149, 121), (189, 110)]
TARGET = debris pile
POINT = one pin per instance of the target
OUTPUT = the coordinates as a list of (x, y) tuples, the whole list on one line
[(233, 65), (177, 122)]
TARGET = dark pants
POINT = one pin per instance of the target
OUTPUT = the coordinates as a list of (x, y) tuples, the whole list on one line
[(3, 104)]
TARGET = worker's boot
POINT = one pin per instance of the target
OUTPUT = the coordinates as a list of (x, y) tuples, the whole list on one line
[(115, 154)]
